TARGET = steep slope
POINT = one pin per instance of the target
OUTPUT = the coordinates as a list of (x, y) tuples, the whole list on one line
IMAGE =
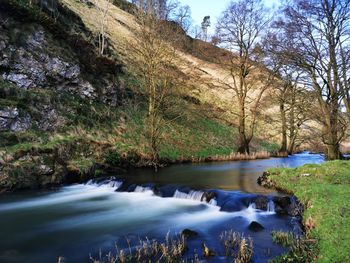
[(67, 113)]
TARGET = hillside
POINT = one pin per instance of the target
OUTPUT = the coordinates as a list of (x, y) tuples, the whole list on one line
[(67, 113)]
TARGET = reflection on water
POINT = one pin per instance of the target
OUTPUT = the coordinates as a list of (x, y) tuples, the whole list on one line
[(77, 220), (240, 176)]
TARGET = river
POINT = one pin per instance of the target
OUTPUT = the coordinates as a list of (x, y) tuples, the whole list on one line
[(81, 220)]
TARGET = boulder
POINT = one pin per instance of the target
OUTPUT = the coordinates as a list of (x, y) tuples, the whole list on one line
[(188, 233), (255, 226), (261, 202), (281, 204), (207, 196)]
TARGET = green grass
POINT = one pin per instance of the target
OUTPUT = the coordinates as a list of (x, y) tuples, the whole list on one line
[(301, 249), (191, 136), (325, 191)]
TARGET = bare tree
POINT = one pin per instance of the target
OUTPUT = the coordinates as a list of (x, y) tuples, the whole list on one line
[(196, 32), (162, 9), (103, 9), (154, 64), (239, 30), (316, 36), (183, 17), (298, 115)]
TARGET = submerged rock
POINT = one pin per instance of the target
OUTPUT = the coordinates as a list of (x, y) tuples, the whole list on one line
[(232, 206), (186, 233), (255, 227)]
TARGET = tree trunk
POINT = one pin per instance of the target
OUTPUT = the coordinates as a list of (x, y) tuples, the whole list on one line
[(283, 148), (292, 128), (333, 152), (243, 147), (332, 143), (243, 144), (332, 140)]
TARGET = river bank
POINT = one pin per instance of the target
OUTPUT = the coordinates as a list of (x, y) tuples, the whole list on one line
[(65, 162), (76, 159), (324, 191)]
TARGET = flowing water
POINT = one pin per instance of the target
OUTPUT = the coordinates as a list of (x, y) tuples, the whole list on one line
[(79, 220)]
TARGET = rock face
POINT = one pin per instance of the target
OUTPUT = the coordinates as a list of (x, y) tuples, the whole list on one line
[(31, 57), (29, 60), (11, 120)]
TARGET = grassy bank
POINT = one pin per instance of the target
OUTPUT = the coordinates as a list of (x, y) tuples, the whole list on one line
[(85, 135), (325, 191)]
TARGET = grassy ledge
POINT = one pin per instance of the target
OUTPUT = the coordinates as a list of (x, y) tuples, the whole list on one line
[(325, 192)]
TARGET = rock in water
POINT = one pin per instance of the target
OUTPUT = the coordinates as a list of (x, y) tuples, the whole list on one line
[(255, 226), (186, 233), (261, 202), (208, 196), (281, 204)]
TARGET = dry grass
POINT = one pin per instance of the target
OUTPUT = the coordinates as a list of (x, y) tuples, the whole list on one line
[(301, 249), (170, 251), (237, 246), (233, 157), (204, 77)]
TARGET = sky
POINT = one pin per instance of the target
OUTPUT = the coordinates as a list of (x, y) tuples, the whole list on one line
[(213, 8)]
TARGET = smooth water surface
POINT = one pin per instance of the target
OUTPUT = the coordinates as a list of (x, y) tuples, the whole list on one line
[(79, 220), (240, 175)]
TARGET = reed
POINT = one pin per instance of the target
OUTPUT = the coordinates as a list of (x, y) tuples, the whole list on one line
[(237, 246), (301, 249), (233, 157), (169, 251)]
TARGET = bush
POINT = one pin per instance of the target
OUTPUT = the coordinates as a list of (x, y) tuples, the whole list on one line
[(126, 159), (113, 158)]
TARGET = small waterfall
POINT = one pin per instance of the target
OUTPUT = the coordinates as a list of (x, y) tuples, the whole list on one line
[(252, 206), (107, 183), (270, 206), (213, 202), (193, 195), (115, 184), (141, 189), (90, 182)]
